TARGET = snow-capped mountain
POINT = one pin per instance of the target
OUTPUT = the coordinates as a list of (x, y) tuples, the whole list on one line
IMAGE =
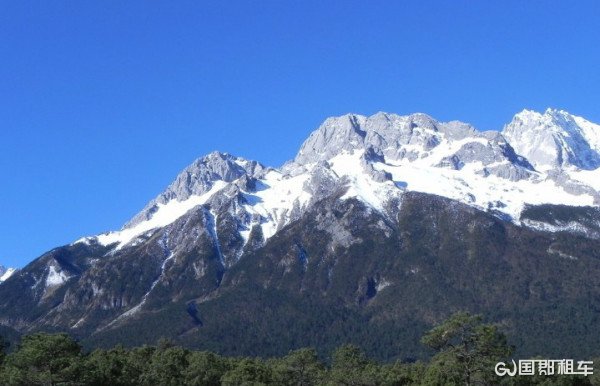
[(555, 140), (392, 219), (5, 273), (554, 160)]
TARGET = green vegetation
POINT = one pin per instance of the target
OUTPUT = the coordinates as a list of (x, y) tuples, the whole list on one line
[(466, 350)]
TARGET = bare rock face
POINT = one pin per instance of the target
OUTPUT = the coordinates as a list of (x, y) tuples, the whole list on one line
[(332, 137), (555, 139), (411, 138), (199, 178)]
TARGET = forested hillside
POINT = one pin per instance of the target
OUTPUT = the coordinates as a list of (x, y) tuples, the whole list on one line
[(464, 352)]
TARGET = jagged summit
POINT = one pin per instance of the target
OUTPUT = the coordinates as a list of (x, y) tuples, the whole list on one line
[(386, 132), (418, 139), (537, 158), (555, 139), (199, 178)]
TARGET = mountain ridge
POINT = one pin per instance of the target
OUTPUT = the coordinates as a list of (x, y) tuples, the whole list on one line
[(394, 220), (393, 143)]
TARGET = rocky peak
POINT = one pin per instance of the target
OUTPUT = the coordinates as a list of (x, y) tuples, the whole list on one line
[(414, 138), (335, 135), (383, 131), (555, 139), (199, 177)]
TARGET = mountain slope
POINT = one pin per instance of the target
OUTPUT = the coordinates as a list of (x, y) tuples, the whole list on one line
[(379, 228)]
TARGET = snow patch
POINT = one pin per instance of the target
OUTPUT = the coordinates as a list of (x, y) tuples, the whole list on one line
[(588, 177), (78, 323), (382, 284), (165, 215), (274, 201), (482, 192), (590, 131), (211, 220), (7, 273), (361, 185), (571, 226), (55, 278)]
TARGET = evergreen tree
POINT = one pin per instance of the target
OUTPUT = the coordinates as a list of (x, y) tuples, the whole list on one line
[(467, 351), (351, 367), (248, 372), (298, 368), (167, 367), (399, 373), (107, 368), (44, 359), (205, 369), (3, 347), (139, 360)]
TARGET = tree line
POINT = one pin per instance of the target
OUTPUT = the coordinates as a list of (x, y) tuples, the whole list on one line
[(465, 351)]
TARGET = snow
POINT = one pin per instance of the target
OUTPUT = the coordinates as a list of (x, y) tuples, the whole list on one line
[(212, 219), (79, 322), (274, 200), (84, 240), (277, 195), (588, 177), (162, 271), (245, 233), (464, 185), (382, 284), (165, 215), (446, 148), (590, 131), (361, 185), (554, 139), (571, 226), (8, 273), (241, 162), (55, 278), (482, 192), (37, 281)]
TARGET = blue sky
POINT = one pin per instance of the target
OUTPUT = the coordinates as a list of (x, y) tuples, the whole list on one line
[(102, 103)]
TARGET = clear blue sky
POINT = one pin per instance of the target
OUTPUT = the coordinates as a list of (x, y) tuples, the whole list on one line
[(102, 103)]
